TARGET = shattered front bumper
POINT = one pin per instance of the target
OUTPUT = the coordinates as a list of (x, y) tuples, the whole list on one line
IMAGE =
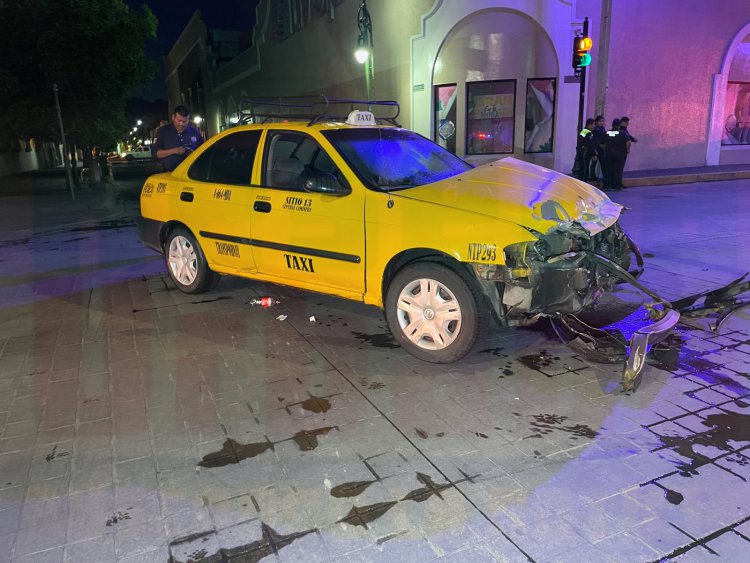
[(566, 272)]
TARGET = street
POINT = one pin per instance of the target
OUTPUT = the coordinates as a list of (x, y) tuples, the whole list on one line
[(138, 423)]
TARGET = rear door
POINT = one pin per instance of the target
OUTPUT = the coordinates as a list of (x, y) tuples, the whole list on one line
[(310, 240), (216, 201)]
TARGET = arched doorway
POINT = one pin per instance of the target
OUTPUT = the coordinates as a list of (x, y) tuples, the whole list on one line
[(729, 133), (494, 88)]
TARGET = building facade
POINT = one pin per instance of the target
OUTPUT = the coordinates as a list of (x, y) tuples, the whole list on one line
[(491, 78)]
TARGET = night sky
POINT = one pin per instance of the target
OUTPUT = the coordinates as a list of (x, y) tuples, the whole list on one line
[(173, 17)]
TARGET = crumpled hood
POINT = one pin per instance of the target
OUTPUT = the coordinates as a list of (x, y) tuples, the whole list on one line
[(523, 193)]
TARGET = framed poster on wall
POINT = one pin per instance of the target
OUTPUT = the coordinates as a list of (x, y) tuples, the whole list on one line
[(490, 116), (540, 115), (445, 116)]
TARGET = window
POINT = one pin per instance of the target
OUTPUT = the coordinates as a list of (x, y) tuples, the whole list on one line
[(445, 116), (394, 159), (540, 115), (737, 114), (490, 115), (294, 158), (228, 161)]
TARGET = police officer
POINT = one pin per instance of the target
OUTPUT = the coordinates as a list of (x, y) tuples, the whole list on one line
[(599, 141), (585, 150), (616, 148), (624, 123)]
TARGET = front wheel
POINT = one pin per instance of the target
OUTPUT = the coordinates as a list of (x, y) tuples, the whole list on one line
[(433, 311), (187, 264)]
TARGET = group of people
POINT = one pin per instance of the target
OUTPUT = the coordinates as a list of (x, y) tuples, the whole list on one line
[(601, 154)]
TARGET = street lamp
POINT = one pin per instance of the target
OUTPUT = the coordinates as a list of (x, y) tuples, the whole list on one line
[(363, 53)]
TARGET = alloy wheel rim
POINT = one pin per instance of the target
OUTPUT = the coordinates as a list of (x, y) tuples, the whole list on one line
[(429, 314), (183, 260)]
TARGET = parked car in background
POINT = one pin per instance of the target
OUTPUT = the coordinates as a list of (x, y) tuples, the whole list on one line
[(139, 153)]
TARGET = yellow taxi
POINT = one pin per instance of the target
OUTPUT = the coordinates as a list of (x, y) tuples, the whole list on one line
[(350, 204)]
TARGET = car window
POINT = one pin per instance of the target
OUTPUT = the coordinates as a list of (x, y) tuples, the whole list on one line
[(293, 158), (228, 161), (391, 159)]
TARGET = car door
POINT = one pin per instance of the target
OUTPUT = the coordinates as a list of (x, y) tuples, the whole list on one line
[(309, 239), (216, 201)]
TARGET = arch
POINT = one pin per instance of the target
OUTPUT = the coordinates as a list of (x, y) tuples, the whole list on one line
[(557, 20), (496, 44), (718, 98)]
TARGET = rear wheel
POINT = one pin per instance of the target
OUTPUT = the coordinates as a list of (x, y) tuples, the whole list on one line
[(129, 157), (187, 264), (433, 311)]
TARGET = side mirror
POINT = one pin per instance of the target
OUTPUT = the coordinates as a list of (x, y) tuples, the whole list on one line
[(327, 184)]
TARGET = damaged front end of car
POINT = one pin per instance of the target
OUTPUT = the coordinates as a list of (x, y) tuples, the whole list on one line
[(565, 271)]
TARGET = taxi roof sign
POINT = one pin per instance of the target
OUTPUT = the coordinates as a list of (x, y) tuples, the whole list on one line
[(358, 117)]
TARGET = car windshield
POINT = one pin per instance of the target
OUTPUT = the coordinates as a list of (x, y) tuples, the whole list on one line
[(393, 159)]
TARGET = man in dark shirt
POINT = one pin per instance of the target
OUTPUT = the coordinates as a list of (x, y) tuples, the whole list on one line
[(176, 140), (617, 148), (624, 123), (599, 141), (585, 150)]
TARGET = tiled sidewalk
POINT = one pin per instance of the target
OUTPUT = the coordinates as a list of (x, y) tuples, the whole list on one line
[(141, 424)]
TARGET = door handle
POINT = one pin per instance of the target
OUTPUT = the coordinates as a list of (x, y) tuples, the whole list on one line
[(262, 206), (187, 196)]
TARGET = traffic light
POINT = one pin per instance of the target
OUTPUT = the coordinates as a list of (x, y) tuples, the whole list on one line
[(581, 56)]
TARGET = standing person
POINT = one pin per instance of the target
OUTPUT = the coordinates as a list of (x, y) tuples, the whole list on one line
[(585, 150), (617, 148), (599, 141), (624, 123), (176, 140)]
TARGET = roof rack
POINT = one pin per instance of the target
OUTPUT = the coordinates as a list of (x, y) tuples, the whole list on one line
[(313, 109)]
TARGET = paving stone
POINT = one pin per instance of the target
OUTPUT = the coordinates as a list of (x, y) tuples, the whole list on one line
[(185, 524), (43, 526), (91, 514), (662, 537), (48, 489), (139, 539), (54, 555), (559, 538), (625, 546), (730, 546), (198, 547), (180, 490), (101, 548), (6, 545)]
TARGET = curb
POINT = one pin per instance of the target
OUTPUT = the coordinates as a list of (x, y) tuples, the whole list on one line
[(685, 178)]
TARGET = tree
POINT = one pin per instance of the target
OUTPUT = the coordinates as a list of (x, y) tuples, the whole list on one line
[(92, 49)]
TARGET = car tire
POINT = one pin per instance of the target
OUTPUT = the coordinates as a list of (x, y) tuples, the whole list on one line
[(439, 334), (129, 157), (186, 263)]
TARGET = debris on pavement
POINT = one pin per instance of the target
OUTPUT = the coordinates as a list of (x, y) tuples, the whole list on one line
[(610, 345), (281, 318), (722, 301), (264, 302), (312, 319)]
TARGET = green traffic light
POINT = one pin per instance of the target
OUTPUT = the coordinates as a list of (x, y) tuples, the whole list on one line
[(585, 60)]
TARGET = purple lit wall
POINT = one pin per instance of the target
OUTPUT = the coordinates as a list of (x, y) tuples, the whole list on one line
[(662, 60)]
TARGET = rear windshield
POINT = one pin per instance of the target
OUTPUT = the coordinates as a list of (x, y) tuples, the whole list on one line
[(394, 159)]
